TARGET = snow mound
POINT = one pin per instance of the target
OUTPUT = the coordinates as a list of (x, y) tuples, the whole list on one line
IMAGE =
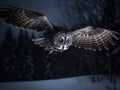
[(75, 83)]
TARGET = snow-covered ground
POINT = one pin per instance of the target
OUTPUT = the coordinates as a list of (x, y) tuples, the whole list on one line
[(75, 83)]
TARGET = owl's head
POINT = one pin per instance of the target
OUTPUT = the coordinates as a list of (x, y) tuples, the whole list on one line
[(62, 41)]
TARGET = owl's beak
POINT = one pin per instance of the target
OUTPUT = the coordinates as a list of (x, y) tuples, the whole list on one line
[(50, 52), (62, 47)]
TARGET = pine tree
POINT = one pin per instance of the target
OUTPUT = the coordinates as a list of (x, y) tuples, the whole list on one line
[(25, 64), (39, 61), (44, 64), (8, 58)]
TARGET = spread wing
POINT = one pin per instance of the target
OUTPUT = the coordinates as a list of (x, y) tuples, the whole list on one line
[(25, 19), (93, 38)]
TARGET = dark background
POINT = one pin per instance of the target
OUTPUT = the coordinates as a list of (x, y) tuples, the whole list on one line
[(21, 60)]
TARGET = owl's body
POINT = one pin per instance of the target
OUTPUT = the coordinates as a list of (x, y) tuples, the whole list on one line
[(89, 38), (59, 41), (56, 38)]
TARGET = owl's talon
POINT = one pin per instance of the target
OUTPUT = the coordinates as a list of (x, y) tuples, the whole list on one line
[(50, 52)]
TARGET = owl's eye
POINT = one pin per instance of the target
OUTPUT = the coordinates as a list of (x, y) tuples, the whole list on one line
[(61, 40), (69, 40)]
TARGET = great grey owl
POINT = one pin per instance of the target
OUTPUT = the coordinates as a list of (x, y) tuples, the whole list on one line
[(57, 40)]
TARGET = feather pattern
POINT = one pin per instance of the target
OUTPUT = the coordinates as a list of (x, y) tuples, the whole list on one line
[(93, 38), (25, 18)]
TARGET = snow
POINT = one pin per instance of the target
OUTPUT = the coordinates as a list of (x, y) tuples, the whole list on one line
[(56, 84)]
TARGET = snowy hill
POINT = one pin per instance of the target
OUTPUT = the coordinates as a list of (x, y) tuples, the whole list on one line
[(75, 83)]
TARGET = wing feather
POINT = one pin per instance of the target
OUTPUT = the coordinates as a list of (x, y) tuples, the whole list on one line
[(93, 38), (25, 18)]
